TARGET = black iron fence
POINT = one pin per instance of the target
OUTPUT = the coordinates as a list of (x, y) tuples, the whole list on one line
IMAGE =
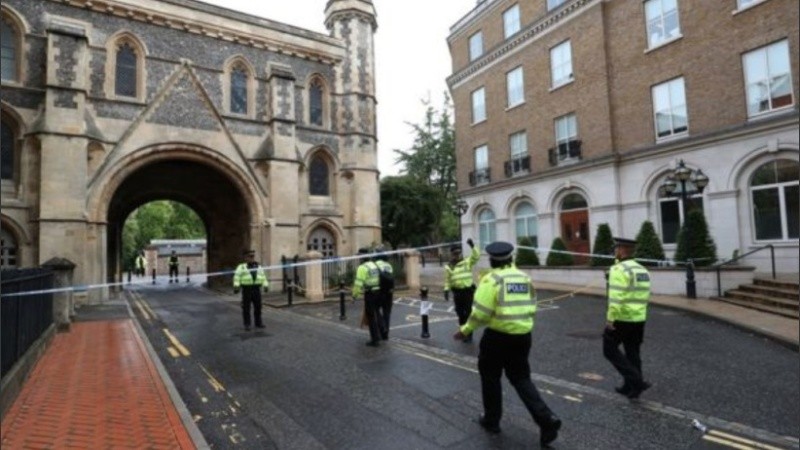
[(23, 319), (335, 271)]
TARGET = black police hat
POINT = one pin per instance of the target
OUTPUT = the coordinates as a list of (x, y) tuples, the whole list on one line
[(500, 251), (363, 251), (455, 249), (623, 242)]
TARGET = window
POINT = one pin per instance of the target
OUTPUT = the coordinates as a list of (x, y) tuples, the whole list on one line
[(315, 95), (672, 210), (669, 107), (514, 87), (239, 80), (479, 105), (662, 21), (552, 4), (745, 3), (487, 232), (8, 250), (768, 78), (566, 135), (561, 64), (481, 173), (776, 203), (511, 21), (8, 50), (125, 85), (8, 152), (318, 183), (526, 223), (475, 46), (519, 162)]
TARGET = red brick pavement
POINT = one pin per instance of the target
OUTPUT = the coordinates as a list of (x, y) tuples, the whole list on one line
[(94, 388)]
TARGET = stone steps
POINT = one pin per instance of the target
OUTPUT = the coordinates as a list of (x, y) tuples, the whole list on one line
[(781, 297)]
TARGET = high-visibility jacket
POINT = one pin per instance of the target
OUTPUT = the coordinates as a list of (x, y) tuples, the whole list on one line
[(505, 301), (141, 262), (245, 276), (628, 292), (459, 276), (367, 278)]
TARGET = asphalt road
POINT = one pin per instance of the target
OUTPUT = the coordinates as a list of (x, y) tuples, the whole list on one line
[(307, 381)]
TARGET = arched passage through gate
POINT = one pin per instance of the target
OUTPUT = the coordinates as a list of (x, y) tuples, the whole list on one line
[(216, 199)]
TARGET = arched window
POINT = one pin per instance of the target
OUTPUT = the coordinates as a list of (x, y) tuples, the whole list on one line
[(126, 71), (673, 211), (527, 223), (315, 105), (239, 94), (8, 152), (487, 230), (9, 44), (318, 179), (573, 201), (8, 250), (776, 203)]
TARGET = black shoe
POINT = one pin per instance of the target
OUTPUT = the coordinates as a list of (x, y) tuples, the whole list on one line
[(623, 390), (549, 432), (489, 427), (372, 343), (385, 337), (634, 393), (261, 325)]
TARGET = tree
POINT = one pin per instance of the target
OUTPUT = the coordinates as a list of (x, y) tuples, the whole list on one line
[(407, 206), (603, 245), (526, 257), (161, 219), (555, 257), (648, 245), (695, 242)]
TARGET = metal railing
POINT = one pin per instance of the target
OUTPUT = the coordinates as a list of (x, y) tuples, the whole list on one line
[(718, 267), (23, 319)]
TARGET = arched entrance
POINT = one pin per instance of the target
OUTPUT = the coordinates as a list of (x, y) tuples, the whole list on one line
[(575, 226), (211, 193), (322, 240)]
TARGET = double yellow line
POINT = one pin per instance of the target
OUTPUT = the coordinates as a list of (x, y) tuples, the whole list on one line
[(176, 349), (144, 309), (737, 442)]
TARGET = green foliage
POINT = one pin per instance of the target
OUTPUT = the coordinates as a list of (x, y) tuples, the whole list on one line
[(161, 219), (648, 245), (603, 245), (557, 258), (695, 242), (407, 206), (526, 257)]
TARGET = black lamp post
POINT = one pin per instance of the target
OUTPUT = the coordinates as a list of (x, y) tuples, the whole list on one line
[(460, 208), (681, 175)]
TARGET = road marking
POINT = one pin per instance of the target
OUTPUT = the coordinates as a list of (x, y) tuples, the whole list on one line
[(418, 322), (183, 350), (727, 443), (731, 437), (142, 311), (572, 399), (218, 387), (174, 353)]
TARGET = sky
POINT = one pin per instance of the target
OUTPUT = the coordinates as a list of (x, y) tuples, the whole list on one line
[(411, 57)]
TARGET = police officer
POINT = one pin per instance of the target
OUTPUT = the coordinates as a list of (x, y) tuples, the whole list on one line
[(141, 264), (506, 303), (367, 283), (386, 289), (250, 277), (628, 295), (173, 266), (458, 279)]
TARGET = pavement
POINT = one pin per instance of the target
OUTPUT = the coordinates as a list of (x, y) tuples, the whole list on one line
[(101, 384)]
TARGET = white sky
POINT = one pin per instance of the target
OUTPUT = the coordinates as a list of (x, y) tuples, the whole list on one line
[(412, 58)]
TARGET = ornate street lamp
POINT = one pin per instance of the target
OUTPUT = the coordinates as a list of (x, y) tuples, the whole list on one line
[(460, 208), (682, 174)]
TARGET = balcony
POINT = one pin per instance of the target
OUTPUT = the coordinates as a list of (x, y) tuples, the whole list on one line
[(564, 153), (479, 177), (517, 166)]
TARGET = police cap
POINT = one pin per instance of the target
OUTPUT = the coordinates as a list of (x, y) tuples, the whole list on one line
[(623, 242), (249, 253), (363, 251), (500, 251), (455, 249)]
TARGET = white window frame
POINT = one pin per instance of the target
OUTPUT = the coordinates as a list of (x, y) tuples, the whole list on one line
[(660, 20), (765, 51), (672, 88), (679, 200), (515, 87), (475, 46), (561, 64), (527, 221), (487, 227), (781, 187), (511, 21), (482, 157), (571, 132), (553, 4), (478, 105)]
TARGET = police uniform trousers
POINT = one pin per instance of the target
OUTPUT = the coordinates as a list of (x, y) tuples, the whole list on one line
[(629, 365), (385, 311), (372, 302), (173, 271), (462, 298), (509, 352), (251, 295)]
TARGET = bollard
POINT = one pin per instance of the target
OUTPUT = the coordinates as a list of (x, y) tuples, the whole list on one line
[(291, 292), (154, 276), (129, 277), (423, 297), (342, 315), (447, 296), (188, 274)]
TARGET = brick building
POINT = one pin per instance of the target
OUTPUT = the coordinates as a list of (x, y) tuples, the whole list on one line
[(191, 254), (266, 130), (573, 113)]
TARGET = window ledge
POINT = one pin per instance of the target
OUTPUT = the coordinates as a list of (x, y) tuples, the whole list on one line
[(562, 84), (748, 7), (509, 108), (130, 100), (771, 113), (568, 161), (674, 137), (520, 173), (664, 43), (478, 122), (778, 243), (11, 83), (231, 115)]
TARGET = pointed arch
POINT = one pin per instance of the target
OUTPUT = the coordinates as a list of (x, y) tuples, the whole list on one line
[(324, 236), (322, 166), (12, 240), (239, 87), (13, 28), (317, 101), (126, 72)]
